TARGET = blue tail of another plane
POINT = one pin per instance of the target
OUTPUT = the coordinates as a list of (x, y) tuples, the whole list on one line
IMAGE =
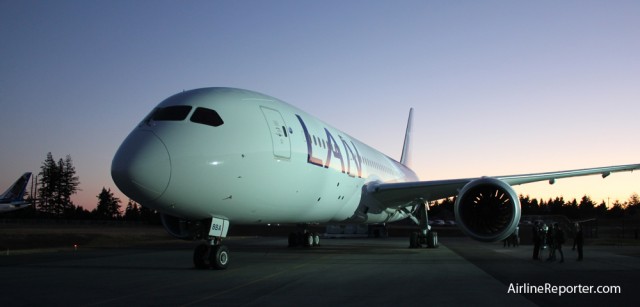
[(12, 198)]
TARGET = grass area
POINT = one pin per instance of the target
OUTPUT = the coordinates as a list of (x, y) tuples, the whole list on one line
[(40, 237)]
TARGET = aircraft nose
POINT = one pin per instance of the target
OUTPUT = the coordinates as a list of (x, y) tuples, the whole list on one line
[(141, 167)]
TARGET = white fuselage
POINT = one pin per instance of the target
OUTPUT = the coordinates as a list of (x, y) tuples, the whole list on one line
[(13, 206), (268, 162)]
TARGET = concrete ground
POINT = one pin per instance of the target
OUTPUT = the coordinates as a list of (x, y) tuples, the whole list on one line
[(354, 272)]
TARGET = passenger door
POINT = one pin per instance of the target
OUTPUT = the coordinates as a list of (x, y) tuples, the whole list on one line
[(279, 134)]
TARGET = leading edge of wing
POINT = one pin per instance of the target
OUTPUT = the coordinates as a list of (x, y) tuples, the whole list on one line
[(552, 176), (399, 194), (395, 195)]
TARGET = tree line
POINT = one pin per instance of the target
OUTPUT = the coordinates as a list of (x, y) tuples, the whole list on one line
[(57, 181), (573, 209)]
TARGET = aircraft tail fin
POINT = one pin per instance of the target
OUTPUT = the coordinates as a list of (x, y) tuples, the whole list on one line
[(406, 148), (17, 190)]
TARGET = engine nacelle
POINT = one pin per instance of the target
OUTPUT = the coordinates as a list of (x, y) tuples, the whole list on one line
[(184, 229), (487, 209)]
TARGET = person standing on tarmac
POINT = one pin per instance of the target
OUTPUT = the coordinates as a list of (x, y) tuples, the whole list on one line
[(558, 240), (551, 244), (536, 240), (579, 240)]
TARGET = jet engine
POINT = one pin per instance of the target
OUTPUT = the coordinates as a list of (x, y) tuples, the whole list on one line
[(487, 209), (184, 229)]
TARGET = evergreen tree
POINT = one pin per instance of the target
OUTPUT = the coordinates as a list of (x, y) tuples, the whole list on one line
[(535, 206), (108, 205), (132, 212), (69, 182), (601, 209), (633, 204), (82, 213), (587, 207), (570, 209), (525, 204), (555, 206), (617, 210), (544, 206), (47, 190), (58, 181)]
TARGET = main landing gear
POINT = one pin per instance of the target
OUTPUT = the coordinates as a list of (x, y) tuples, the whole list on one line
[(418, 239), (213, 254), (425, 236), (303, 237)]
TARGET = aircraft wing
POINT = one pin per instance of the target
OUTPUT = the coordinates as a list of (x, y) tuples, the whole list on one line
[(396, 195)]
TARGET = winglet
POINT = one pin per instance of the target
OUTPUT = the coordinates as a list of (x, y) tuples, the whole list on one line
[(406, 148), (16, 191)]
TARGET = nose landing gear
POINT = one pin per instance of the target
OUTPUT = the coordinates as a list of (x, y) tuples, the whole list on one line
[(213, 254)]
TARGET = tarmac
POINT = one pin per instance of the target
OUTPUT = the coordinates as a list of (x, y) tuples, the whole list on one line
[(353, 272)]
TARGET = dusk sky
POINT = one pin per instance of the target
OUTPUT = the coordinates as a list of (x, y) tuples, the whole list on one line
[(498, 87)]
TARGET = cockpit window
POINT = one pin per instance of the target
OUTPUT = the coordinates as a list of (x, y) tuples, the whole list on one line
[(207, 117), (173, 113)]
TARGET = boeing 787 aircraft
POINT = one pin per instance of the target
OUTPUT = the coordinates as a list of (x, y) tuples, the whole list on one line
[(209, 157), (12, 198)]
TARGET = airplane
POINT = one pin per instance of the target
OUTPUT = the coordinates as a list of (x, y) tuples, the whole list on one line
[(12, 198), (208, 157)]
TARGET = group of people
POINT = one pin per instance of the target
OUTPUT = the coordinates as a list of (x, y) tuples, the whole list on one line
[(513, 239), (553, 238)]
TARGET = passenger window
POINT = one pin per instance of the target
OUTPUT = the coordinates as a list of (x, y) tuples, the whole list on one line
[(207, 117), (174, 113)]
